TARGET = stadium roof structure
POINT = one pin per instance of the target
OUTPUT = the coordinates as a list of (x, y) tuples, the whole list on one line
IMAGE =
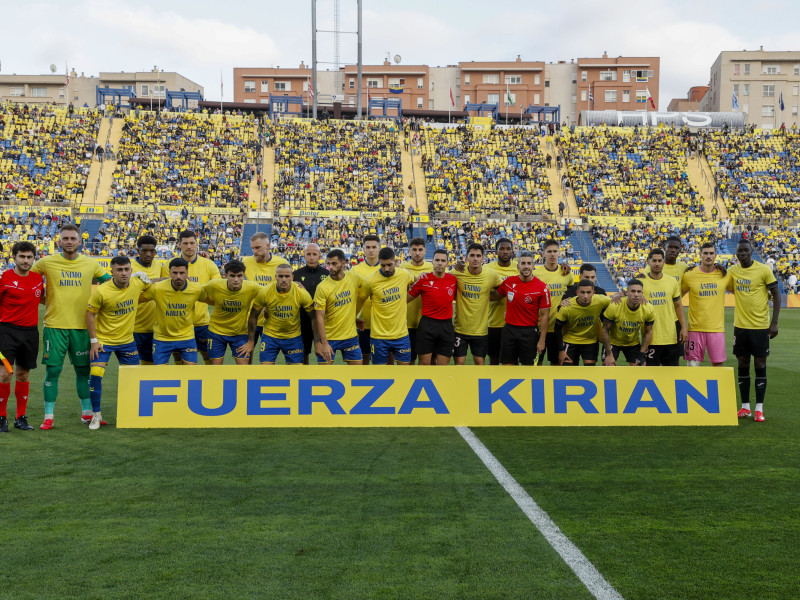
[(483, 109), (385, 105), (542, 112), (184, 97), (116, 95)]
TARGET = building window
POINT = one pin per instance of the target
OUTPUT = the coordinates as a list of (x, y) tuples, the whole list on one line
[(264, 86), (536, 99), (351, 83), (584, 75), (583, 96), (249, 87), (420, 83), (466, 78), (796, 70), (374, 83), (735, 68), (736, 88), (641, 96), (795, 90), (608, 75), (160, 90), (768, 90), (16, 92), (611, 95), (38, 92), (492, 79), (493, 99), (746, 109), (747, 68), (397, 82), (466, 99), (794, 111), (642, 76), (249, 100), (430, 104), (626, 76), (626, 95), (264, 100), (772, 69), (61, 92), (768, 110), (574, 98), (574, 77), (745, 89), (537, 79), (513, 79), (283, 86), (145, 89), (419, 102)]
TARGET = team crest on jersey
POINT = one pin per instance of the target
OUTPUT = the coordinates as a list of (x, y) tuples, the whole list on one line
[(38, 293), (528, 300), (450, 291)]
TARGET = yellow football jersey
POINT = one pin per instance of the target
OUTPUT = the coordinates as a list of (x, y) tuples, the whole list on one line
[(661, 294), (388, 295), (175, 310), (706, 299), (752, 298), (146, 313), (580, 322), (557, 284), (201, 271), (472, 300), (283, 310), (629, 322), (68, 288), (263, 273), (364, 270), (115, 311), (231, 309), (339, 300)]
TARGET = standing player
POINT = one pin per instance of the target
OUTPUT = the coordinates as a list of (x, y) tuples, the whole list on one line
[(309, 276), (282, 303), (417, 266), (110, 318), (200, 271), (576, 326), (146, 313), (175, 299), (68, 278), (663, 293), (436, 335), (370, 265), (336, 304), (526, 315), (261, 268), (506, 266), (20, 294), (622, 323), (753, 283), (558, 278), (388, 290), (706, 286), (475, 284), (231, 298)]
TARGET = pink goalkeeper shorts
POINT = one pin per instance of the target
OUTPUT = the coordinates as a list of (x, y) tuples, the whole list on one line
[(702, 341)]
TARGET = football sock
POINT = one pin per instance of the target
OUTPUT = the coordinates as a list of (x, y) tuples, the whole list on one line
[(761, 385), (759, 407), (21, 389), (5, 392), (82, 387), (96, 387), (744, 385), (51, 389)]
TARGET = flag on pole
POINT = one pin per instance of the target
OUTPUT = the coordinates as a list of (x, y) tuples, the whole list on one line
[(509, 99), (310, 91), (591, 98), (452, 99), (780, 101), (734, 101), (650, 98)]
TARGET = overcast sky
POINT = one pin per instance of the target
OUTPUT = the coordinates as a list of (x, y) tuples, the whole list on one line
[(201, 39)]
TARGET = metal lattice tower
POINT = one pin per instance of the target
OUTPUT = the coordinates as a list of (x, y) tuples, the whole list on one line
[(337, 30)]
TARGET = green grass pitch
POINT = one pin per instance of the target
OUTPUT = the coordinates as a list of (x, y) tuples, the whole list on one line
[(690, 513)]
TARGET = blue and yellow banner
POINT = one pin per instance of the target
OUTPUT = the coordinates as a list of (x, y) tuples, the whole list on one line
[(397, 396)]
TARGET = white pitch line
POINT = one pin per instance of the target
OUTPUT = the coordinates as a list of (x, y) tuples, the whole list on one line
[(585, 570)]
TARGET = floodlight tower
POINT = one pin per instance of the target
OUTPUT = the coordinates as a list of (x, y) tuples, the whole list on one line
[(336, 52)]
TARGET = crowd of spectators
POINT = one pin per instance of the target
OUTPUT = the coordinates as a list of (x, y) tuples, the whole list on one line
[(483, 171), (38, 226), (629, 171), (756, 172), (45, 152), (187, 158), (338, 165)]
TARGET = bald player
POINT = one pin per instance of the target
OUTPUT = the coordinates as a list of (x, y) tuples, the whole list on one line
[(309, 276)]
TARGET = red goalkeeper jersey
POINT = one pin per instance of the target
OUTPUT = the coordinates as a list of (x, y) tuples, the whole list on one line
[(19, 298)]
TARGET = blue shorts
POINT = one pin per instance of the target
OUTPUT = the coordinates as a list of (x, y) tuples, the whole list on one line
[(162, 351), (219, 344), (202, 338), (401, 348), (292, 349), (351, 350), (127, 354), (144, 343), (364, 342)]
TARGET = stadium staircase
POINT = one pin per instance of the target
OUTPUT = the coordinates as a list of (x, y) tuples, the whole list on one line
[(701, 177), (90, 226), (268, 176), (407, 166), (247, 232), (582, 242), (101, 175), (554, 176), (412, 168)]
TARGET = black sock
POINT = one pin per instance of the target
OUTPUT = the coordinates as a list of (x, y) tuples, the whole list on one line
[(744, 384), (761, 384)]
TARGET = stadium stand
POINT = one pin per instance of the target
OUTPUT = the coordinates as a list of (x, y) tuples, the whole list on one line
[(45, 153), (192, 159), (39, 226), (338, 165), (478, 171), (630, 171)]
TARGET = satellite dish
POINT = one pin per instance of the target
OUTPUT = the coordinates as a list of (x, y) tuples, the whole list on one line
[(53, 68), (397, 58)]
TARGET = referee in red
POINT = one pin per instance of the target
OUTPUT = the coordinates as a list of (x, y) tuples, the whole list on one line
[(527, 314), (20, 294), (435, 333)]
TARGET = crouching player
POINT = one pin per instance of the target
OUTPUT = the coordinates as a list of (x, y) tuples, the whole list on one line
[(110, 317), (281, 302), (175, 300), (577, 325), (231, 298), (621, 326)]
